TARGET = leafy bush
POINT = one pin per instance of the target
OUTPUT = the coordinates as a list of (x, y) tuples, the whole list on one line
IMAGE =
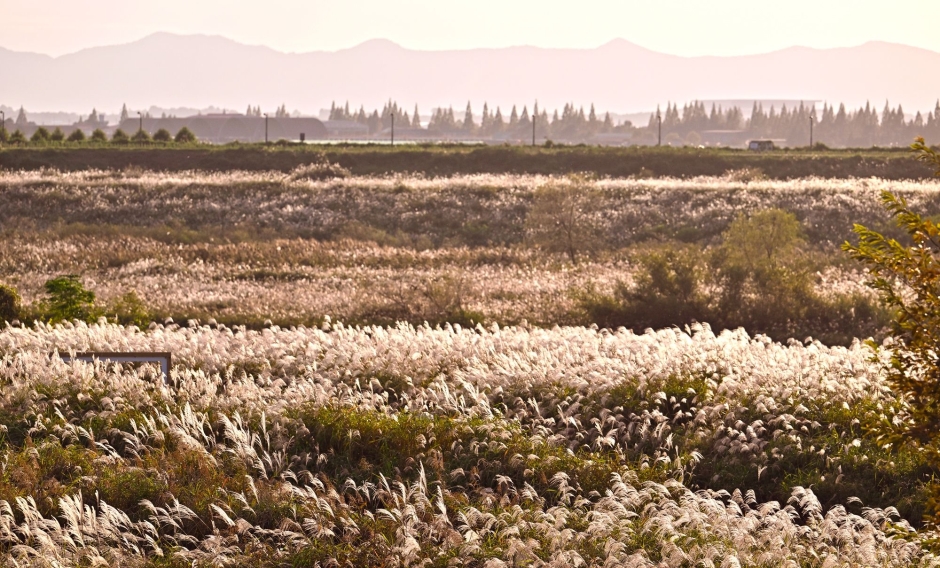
[(41, 136), (77, 135), (18, 138), (907, 277), (119, 137), (57, 135), (185, 136), (758, 279), (162, 135), (98, 135), (67, 299), (141, 137), (9, 303), (129, 309)]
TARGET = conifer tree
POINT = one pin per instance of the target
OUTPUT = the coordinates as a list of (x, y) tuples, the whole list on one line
[(468, 124), (124, 114)]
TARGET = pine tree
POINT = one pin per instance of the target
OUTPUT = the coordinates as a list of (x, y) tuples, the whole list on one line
[(21, 118), (513, 117), (416, 118), (124, 113), (468, 124)]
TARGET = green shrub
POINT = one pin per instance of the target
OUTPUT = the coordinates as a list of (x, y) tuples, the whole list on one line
[(907, 277), (162, 135), (119, 137), (758, 278), (9, 303), (99, 136), (18, 138), (67, 299), (57, 135), (76, 136), (4, 134), (41, 136), (141, 137), (129, 309), (185, 136)]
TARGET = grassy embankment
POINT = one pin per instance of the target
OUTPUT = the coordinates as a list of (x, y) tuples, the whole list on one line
[(444, 160)]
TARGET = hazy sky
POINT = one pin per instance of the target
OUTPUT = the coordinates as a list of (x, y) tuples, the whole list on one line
[(683, 27)]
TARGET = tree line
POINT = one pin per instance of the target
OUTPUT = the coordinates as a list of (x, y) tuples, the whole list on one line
[(693, 124)]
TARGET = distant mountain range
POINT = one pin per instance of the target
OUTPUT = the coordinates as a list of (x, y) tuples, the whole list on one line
[(201, 71)]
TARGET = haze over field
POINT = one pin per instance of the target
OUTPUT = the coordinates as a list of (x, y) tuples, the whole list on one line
[(619, 76), (624, 57)]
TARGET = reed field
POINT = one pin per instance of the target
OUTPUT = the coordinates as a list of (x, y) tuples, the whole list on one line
[(472, 370)]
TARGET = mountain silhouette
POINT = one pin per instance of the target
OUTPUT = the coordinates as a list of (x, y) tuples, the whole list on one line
[(198, 71)]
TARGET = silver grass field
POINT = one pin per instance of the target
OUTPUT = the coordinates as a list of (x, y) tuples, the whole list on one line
[(512, 441)]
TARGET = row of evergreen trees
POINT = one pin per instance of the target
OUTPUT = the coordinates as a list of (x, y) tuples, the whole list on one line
[(864, 127), (572, 123), (835, 127)]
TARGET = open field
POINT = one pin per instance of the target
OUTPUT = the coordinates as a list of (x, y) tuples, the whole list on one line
[(245, 247), (312, 419), (450, 160)]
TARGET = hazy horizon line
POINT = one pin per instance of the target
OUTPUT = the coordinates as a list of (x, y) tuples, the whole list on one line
[(480, 48)]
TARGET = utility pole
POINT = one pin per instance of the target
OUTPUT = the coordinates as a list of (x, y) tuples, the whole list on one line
[(534, 118), (3, 121), (141, 117), (393, 127), (265, 128), (659, 119), (812, 119)]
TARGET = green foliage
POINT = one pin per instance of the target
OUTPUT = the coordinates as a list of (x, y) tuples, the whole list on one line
[(185, 136), (41, 136), (757, 278), (57, 135), (18, 138), (907, 276), (99, 136), (119, 137), (4, 134), (9, 303), (67, 300), (141, 137), (162, 135), (129, 309), (77, 135)]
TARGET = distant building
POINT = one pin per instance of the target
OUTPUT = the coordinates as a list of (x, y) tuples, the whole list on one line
[(224, 128), (345, 129)]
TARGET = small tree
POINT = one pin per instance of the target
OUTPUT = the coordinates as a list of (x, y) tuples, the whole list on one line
[(18, 138), (141, 137), (41, 136), (57, 135), (562, 218), (9, 303), (99, 136), (67, 299), (185, 136), (163, 135), (4, 134), (76, 136), (119, 137), (908, 280)]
